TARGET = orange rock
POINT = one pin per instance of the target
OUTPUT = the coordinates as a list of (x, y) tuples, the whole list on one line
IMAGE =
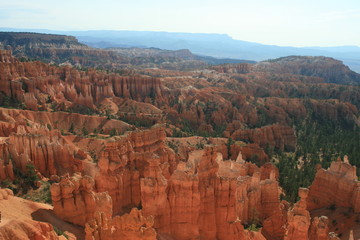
[(132, 226), (34, 230), (337, 185), (69, 86), (254, 152), (232, 68), (6, 193), (299, 218), (75, 201), (319, 229), (278, 136)]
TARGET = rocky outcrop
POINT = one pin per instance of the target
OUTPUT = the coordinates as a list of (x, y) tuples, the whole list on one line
[(253, 152), (319, 229), (24, 219), (206, 197), (232, 68), (299, 218), (6, 56), (32, 230), (332, 70), (46, 150), (63, 121), (125, 161), (34, 83), (337, 186), (203, 197), (301, 226), (128, 226), (75, 201), (6, 193), (279, 136)]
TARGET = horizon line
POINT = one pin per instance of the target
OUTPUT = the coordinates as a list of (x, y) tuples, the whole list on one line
[(35, 30)]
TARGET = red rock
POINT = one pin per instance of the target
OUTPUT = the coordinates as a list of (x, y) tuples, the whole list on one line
[(232, 68), (276, 135), (33, 230), (254, 151), (132, 226), (299, 218), (319, 229), (74, 200), (69, 86), (337, 185)]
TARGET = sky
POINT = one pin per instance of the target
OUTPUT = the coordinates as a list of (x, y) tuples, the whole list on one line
[(277, 22)]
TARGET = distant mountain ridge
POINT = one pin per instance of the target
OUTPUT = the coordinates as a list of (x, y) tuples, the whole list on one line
[(215, 45), (34, 40), (331, 70), (61, 49)]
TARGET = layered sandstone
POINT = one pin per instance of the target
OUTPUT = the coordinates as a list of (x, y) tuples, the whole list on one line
[(132, 226), (299, 218), (337, 185), (34, 83), (75, 201), (330, 69), (205, 197), (301, 226), (32, 230), (232, 68), (125, 161), (46, 150), (319, 229), (279, 136)]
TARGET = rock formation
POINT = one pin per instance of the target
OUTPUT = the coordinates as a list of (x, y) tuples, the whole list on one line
[(206, 198), (27, 82), (232, 68), (276, 135), (148, 184), (337, 185), (330, 69), (128, 226), (6, 194), (44, 149), (33, 230), (74, 200), (299, 218), (319, 229), (15, 222)]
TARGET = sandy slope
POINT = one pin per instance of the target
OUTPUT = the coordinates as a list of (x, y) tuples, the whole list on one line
[(19, 218)]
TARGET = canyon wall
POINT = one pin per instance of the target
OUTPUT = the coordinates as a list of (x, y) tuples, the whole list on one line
[(337, 186)]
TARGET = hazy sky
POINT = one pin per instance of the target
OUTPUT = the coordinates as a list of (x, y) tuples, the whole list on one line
[(278, 22)]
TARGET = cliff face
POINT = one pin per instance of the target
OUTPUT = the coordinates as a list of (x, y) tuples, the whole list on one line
[(36, 40), (124, 162), (301, 226), (331, 70), (140, 169), (128, 226), (337, 185), (281, 137), (74, 200), (205, 197), (188, 187), (44, 149), (58, 49), (233, 68), (299, 218), (36, 84), (63, 49)]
